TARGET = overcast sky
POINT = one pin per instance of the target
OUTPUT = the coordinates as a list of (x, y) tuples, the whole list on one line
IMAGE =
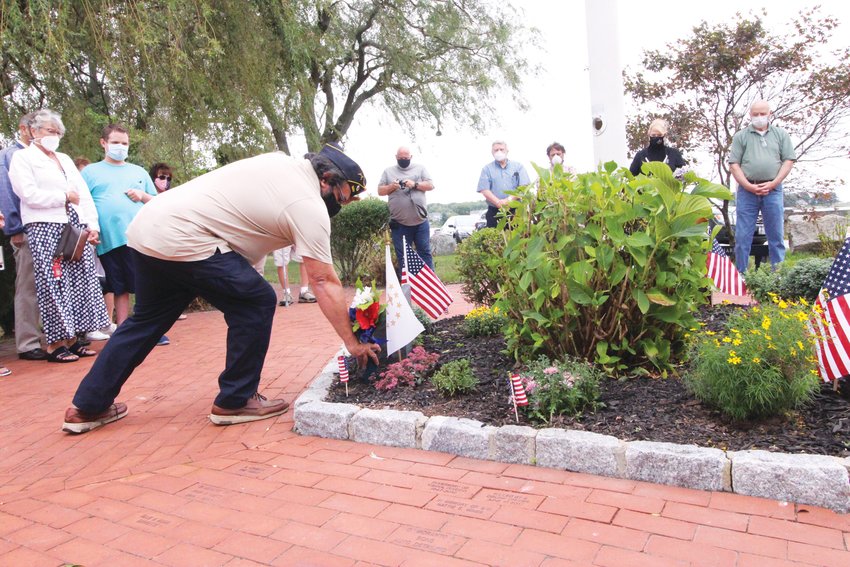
[(559, 98)]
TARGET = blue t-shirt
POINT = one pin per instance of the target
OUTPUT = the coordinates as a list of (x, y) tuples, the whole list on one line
[(108, 185), (500, 179)]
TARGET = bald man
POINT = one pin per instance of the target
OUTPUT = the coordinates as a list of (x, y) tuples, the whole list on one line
[(761, 157), (405, 184)]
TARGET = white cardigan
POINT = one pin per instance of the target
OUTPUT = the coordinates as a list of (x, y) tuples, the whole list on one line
[(42, 188)]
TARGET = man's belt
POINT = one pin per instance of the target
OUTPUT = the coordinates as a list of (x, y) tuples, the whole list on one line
[(754, 182)]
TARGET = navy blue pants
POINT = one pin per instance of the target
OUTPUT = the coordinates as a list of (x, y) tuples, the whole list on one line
[(163, 291), (419, 237)]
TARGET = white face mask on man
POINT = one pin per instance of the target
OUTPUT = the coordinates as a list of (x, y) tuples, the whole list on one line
[(500, 155), (759, 122), (557, 159)]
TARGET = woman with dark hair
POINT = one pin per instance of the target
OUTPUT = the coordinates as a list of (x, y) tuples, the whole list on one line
[(161, 175)]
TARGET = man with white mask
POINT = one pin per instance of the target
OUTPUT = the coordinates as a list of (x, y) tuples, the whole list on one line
[(497, 178), (555, 152), (761, 157), (27, 333), (119, 189)]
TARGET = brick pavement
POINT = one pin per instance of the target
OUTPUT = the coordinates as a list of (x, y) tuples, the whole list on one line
[(165, 487)]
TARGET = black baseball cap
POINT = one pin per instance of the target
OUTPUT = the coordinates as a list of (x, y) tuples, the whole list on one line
[(349, 168)]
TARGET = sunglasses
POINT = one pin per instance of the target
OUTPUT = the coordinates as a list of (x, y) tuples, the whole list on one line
[(356, 188), (168, 177)]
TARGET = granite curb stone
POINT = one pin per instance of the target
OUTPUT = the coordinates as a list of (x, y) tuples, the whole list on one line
[(581, 451), (391, 428), (678, 465), (805, 479), (780, 476)]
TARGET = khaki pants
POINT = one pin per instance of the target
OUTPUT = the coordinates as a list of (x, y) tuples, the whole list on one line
[(27, 332)]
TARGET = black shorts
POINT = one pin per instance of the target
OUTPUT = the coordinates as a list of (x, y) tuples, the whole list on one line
[(120, 271)]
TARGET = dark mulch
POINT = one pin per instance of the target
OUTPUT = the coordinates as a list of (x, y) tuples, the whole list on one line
[(634, 409)]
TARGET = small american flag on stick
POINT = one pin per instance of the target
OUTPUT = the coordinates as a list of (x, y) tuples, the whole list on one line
[(833, 319), (343, 369), (726, 276), (518, 390)]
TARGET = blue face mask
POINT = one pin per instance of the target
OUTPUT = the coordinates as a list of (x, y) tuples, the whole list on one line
[(118, 152)]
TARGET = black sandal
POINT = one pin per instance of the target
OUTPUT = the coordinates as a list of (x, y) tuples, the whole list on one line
[(81, 351), (62, 354)]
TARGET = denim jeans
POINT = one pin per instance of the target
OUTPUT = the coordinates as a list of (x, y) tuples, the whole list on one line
[(418, 236), (747, 209), (163, 290)]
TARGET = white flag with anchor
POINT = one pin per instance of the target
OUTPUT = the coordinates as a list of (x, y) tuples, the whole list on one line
[(402, 324)]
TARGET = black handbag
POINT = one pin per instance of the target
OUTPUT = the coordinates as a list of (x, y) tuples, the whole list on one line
[(72, 242)]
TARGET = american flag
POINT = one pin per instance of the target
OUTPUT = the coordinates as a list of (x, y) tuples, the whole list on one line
[(343, 369), (518, 390), (726, 276), (426, 289), (833, 319)]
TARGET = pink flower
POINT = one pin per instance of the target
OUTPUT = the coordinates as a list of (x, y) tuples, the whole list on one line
[(550, 370)]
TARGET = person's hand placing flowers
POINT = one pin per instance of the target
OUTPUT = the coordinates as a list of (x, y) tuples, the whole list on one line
[(365, 312)]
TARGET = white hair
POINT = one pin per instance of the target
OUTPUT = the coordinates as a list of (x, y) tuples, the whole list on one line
[(46, 117)]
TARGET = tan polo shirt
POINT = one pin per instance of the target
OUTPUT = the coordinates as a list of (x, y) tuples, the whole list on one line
[(251, 206)]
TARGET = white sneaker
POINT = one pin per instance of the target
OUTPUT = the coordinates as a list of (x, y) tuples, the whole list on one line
[(110, 329), (97, 336)]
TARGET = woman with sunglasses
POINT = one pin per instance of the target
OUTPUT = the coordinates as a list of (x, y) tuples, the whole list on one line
[(161, 175)]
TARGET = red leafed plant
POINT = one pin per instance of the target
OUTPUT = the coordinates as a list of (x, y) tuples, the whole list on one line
[(411, 371)]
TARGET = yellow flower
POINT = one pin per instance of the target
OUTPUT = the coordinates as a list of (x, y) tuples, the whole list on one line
[(765, 323), (710, 333), (814, 371), (756, 359), (727, 340), (755, 332), (737, 342), (802, 317), (756, 309), (734, 360), (768, 337), (782, 304), (800, 345), (736, 331), (804, 302)]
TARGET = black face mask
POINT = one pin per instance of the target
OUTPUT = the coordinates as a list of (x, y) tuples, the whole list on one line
[(656, 141), (331, 203), (403, 163)]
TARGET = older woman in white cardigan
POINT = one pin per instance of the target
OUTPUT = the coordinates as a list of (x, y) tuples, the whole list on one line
[(53, 193)]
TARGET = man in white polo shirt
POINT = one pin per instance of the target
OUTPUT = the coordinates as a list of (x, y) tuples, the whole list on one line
[(202, 241)]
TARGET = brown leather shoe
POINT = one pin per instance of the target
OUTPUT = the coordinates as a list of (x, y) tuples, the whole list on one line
[(258, 407), (78, 422)]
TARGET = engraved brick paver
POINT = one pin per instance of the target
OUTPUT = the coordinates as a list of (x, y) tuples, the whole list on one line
[(164, 485)]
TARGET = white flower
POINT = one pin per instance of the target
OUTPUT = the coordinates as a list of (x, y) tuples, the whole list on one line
[(362, 297)]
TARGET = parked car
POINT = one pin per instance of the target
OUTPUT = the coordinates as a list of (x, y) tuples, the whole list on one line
[(464, 226)]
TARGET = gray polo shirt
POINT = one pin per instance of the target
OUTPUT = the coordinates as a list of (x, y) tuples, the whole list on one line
[(401, 203), (761, 157)]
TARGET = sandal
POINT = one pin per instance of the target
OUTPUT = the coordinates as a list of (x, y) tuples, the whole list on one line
[(80, 350), (62, 354), (4, 371)]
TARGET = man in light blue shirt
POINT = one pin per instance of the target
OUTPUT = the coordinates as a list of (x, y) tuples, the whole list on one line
[(497, 178), (119, 189)]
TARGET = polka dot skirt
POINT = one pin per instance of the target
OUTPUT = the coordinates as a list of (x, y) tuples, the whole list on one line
[(69, 296)]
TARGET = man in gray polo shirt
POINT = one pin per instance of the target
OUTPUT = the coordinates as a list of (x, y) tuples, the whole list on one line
[(405, 185), (761, 157)]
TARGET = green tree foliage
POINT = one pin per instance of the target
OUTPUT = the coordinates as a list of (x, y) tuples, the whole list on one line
[(606, 267), (233, 78), (705, 83), (355, 237)]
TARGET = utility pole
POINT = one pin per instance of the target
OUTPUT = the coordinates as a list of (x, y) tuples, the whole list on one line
[(607, 112)]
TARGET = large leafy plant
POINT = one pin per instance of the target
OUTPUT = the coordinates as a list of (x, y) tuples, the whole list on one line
[(607, 267)]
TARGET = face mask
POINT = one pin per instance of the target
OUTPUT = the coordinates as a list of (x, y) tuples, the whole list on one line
[(331, 203), (656, 141), (118, 152), (49, 143), (161, 184), (500, 155), (759, 122), (403, 163), (557, 159)]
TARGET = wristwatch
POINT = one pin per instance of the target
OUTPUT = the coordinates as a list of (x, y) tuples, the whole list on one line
[(416, 185)]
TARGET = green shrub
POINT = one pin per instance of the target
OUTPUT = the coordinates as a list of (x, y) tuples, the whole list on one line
[(761, 366), (480, 265), (455, 377), (484, 322), (559, 388), (804, 279), (606, 267), (354, 234), (763, 282)]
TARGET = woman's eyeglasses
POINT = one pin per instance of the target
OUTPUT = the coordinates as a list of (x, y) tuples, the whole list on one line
[(167, 177)]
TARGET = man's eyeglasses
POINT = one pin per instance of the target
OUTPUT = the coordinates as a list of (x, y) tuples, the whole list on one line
[(166, 177)]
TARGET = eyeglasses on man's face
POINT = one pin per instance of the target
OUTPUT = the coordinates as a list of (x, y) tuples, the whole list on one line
[(163, 176)]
